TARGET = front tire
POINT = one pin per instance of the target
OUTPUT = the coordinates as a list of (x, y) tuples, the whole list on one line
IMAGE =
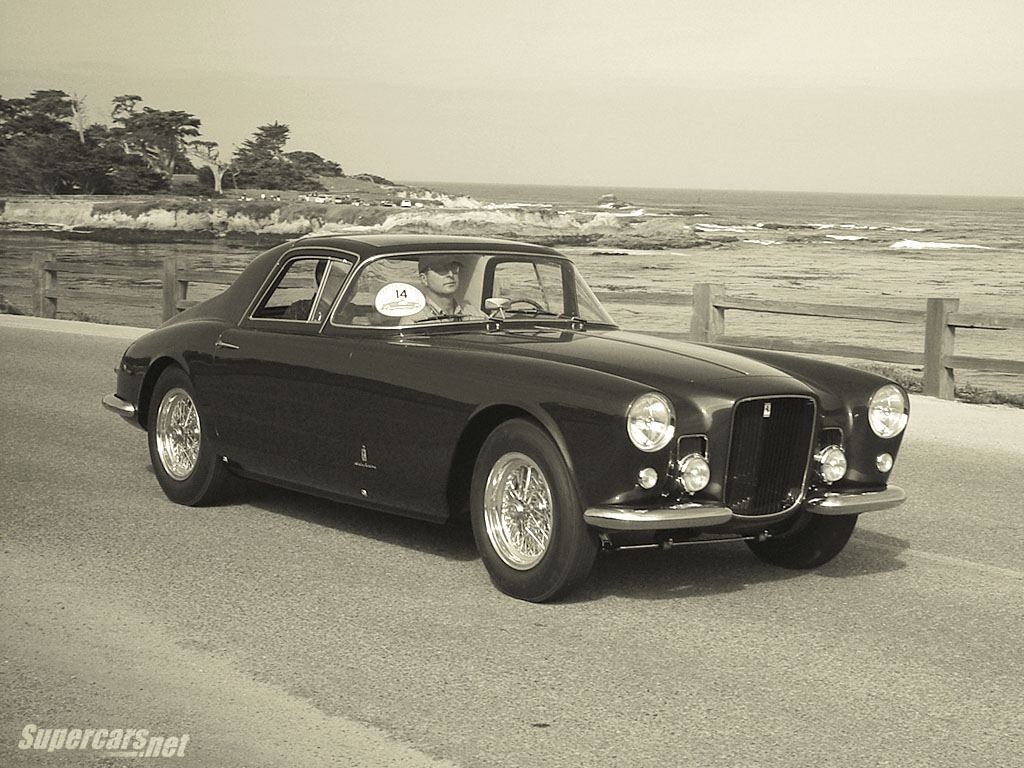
[(812, 542), (526, 515), (185, 464)]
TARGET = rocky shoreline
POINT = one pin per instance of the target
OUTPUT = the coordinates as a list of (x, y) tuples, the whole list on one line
[(170, 218)]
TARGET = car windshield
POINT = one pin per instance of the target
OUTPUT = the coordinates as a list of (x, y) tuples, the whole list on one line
[(438, 288)]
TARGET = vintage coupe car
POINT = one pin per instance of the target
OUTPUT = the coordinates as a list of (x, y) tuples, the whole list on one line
[(435, 376)]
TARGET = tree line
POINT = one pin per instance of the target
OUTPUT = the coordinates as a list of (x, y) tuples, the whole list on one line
[(47, 148)]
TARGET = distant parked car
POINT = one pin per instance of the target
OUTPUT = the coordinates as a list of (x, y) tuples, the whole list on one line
[(330, 367)]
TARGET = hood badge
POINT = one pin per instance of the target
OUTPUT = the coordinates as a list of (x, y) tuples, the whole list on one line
[(767, 412)]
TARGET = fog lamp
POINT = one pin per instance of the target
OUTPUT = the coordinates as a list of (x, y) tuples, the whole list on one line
[(694, 472), (883, 462), (647, 478), (831, 463)]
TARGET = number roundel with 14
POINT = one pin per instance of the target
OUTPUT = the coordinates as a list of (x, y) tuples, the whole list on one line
[(399, 300)]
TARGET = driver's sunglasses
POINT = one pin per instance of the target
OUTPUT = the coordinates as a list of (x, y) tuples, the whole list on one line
[(449, 269)]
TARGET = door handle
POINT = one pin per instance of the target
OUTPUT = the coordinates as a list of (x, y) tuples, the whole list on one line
[(225, 345)]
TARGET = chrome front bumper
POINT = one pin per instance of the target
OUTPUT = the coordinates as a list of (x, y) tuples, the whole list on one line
[(689, 515), (694, 515), (120, 407), (855, 503)]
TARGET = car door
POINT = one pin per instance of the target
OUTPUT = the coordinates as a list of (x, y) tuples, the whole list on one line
[(407, 411), (406, 408)]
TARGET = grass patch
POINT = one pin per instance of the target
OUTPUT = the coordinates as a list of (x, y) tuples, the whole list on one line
[(84, 317)]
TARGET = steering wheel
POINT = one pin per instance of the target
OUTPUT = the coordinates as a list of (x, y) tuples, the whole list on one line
[(531, 302)]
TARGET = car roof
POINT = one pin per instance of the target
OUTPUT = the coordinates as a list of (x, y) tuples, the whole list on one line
[(366, 246)]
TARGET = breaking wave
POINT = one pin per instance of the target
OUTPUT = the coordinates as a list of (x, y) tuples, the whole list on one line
[(449, 215), (919, 246), (526, 224)]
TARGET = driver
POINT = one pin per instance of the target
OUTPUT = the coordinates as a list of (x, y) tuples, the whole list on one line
[(439, 281)]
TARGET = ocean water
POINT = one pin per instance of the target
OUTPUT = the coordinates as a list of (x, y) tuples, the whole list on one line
[(886, 248), (923, 221), (838, 249)]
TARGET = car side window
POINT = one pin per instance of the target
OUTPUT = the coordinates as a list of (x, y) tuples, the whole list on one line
[(532, 282), (361, 304), (304, 291)]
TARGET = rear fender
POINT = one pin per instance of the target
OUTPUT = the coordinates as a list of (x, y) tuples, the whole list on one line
[(156, 368)]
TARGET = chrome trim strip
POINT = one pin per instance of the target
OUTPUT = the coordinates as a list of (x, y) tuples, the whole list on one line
[(119, 406), (855, 503), (672, 516)]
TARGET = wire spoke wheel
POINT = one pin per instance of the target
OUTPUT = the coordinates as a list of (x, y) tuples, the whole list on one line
[(178, 434), (526, 514), (518, 511)]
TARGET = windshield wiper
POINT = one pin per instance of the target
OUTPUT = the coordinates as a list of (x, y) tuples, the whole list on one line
[(442, 316), (533, 311), (576, 320)]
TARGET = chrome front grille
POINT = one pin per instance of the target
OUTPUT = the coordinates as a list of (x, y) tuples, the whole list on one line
[(769, 454)]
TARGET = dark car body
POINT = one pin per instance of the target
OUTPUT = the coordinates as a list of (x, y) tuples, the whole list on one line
[(350, 403)]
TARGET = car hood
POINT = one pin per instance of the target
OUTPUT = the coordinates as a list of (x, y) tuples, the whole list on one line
[(658, 363)]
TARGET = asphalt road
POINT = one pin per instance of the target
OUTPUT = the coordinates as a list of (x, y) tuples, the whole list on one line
[(282, 630)]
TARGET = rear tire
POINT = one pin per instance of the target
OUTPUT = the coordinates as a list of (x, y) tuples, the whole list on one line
[(811, 543), (186, 466), (526, 515)]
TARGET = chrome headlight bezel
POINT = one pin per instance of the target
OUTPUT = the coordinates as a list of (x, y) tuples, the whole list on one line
[(651, 422), (693, 472), (832, 463), (888, 411)]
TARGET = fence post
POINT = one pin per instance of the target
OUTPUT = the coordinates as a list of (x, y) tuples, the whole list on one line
[(43, 282), (175, 290), (707, 322), (939, 340)]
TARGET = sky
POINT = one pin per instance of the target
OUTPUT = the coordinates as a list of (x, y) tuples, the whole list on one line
[(893, 96)]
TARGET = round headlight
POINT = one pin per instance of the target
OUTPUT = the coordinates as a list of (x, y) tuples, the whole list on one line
[(887, 411), (694, 472), (650, 422), (832, 463)]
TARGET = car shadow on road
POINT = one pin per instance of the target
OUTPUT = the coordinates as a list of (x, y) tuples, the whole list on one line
[(706, 570), (452, 540), (686, 572)]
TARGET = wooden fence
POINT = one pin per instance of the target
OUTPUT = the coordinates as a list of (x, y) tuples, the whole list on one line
[(940, 317), (175, 276)]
